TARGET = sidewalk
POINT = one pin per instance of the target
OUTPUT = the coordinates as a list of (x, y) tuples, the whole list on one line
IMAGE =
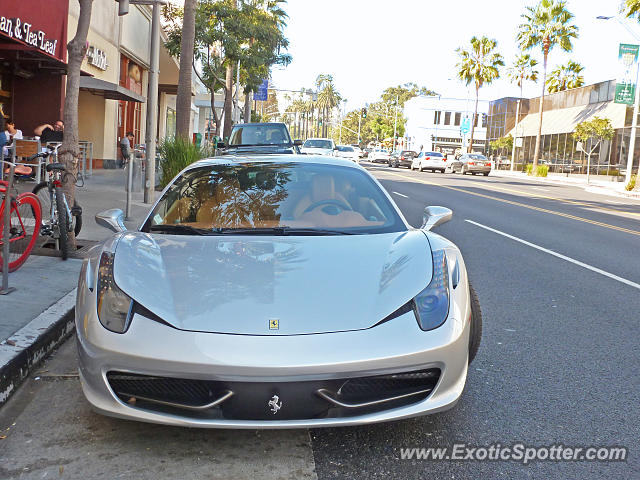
[(595, 185), (38, 315)]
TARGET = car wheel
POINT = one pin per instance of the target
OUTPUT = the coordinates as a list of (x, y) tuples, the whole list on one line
[(475, 335), (486, 174)]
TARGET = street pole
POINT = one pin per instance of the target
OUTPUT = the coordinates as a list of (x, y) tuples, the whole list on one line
[(152, 106), (395, 126), (634, 124), (6, 231), (359, 125)]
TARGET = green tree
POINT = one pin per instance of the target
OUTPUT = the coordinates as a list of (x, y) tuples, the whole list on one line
[(479, 65), (405, 92), (565, 77), (524, 68), (328, 99), (501, 144), (591, 133), (546, 25), (251, 34), (630, 8)]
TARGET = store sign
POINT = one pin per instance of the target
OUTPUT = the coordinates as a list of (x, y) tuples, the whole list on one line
[(627, 76), (97, 58), (24, 31)]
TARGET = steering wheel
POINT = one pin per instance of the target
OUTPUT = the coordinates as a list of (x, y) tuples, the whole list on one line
[(336, 203)]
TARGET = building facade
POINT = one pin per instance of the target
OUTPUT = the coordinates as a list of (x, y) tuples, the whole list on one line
[(435, 124), (563, 111), (114, 73)]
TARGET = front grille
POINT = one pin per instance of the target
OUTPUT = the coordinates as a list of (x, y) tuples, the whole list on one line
[(165, 389), (251, 400)]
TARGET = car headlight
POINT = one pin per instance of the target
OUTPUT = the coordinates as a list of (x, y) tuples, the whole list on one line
[(432, 304), (114, 306)]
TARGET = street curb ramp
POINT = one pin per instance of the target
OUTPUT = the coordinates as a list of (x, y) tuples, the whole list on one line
[(26, 348)]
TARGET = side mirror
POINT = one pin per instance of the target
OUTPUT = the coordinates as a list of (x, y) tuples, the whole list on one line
[(221, 145), (434, 216), (112, 219), (297, 143)]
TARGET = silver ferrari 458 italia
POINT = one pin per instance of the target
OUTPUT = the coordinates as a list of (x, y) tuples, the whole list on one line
[(275, 291)]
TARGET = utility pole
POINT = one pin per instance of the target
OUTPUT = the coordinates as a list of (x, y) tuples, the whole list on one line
[(359, 125), (395, 126), (152, 107)]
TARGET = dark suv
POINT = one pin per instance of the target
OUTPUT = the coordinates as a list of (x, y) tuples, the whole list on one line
[(403, 159), (260, 138)]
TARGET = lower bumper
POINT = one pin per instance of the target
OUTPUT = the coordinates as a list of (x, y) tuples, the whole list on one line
[(275, 365)]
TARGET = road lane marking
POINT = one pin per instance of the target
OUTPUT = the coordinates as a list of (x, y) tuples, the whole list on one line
[(559, 255), (400, 194), (546, 197), (524, 205)]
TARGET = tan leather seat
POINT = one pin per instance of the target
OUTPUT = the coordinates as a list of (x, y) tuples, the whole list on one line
[(322, 189)]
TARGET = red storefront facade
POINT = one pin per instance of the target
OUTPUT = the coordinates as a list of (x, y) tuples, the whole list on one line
[(33, 60)]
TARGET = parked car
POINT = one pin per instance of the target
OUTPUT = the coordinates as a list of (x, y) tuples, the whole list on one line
[(319, 146), (358, 150), (430, 161), (472, 163), (209, 315), (379, 155), (348, 152), (260, 138), (403, 159)]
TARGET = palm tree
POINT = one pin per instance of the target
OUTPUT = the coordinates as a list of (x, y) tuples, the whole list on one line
[(523, 69), (631, 7), (479, 65), (328, 99), (565, 77), (183, 98), (546, 25)]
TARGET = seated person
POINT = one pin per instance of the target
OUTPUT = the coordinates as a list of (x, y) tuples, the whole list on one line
[(48, 133)]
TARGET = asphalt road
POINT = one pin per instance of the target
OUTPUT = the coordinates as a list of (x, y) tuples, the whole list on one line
[(557, 271)]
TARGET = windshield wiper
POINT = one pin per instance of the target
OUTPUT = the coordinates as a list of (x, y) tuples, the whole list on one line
[(284, 230), (178, 229)]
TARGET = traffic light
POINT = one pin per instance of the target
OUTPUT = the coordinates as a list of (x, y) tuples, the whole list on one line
[(484, 120), (364, 112)]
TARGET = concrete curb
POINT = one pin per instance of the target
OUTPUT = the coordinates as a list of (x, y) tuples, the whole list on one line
[(22, 351)]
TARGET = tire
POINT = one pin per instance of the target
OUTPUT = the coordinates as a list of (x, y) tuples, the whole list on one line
[(42, 192), (475, 334), (486, 174), (63, 224), (25, 219)]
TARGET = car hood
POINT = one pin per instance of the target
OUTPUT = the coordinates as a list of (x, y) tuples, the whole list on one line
[(238, 284)]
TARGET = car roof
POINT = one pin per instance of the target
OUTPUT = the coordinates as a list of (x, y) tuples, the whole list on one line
[(265, 124), (276, 158)]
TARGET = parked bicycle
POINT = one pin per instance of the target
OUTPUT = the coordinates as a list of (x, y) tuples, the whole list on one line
[(24, 224), (58, 219)]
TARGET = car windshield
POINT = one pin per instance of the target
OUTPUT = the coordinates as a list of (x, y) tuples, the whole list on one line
[(433, 154), (317, 144), (274, 198), (345, 149), (477, 157), (254, 135)]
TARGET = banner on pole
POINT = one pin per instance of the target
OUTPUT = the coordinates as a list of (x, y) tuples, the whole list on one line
[(263, 91), (627, 76)]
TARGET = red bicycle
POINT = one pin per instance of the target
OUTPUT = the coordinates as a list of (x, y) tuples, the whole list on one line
[(24, 225)]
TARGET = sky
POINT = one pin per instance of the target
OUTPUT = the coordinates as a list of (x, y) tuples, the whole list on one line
[(369, 45)]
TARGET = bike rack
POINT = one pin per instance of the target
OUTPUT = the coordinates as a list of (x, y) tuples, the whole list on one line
[(5, 231)]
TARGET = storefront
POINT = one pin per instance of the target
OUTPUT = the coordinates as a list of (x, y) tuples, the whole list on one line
[(33, 59)]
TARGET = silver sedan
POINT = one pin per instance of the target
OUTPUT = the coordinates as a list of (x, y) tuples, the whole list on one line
[(472, 163), (275, 292)]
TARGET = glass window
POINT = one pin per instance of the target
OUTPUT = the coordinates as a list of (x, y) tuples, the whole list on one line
[(265, 134), (447, 118), (220, 199), (317, 143), (457, 118), (436, 118)]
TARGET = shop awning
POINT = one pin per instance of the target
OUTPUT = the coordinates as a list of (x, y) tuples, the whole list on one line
[(564, 120), (109, 90)]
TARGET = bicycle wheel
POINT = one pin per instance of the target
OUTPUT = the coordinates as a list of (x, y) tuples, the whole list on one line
[(24, 227), (63, 222), (41, 190)]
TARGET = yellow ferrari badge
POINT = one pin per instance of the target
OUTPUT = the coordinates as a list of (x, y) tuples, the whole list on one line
[(273, 324)]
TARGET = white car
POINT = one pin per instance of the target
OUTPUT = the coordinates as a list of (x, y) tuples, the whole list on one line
[(348, 152), (319, 146), (379, 155), (430, 161), (358, 150)]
